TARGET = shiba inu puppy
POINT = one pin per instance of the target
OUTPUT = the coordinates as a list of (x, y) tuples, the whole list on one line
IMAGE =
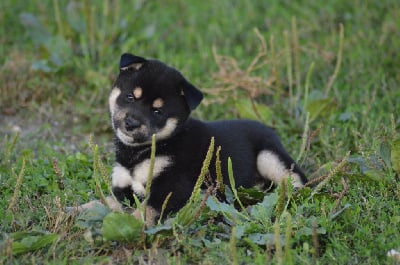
[(149, 97)]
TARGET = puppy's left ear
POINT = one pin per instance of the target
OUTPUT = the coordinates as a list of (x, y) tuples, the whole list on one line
[(130, 61), (192, 95)]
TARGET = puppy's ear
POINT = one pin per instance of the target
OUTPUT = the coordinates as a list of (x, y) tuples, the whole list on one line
[(192, 95), (129, 61)]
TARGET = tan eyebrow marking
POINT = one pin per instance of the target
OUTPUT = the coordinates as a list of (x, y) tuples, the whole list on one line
[(137, 92), (136, 66), (158, 103)]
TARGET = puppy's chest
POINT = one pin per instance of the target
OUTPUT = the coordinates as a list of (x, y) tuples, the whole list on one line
[(136, 174)]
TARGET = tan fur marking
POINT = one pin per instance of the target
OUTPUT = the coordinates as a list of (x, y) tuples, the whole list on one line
[(271, 167), (137, 92), (136, 66), (113, 98), (168, 129), (158, 103)]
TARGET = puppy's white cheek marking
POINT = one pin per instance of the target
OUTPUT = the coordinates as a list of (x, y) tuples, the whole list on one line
[(137, 92), (168, 129), (121, 177), (141, 173), (271, 167), (124, 138), (112, 100)]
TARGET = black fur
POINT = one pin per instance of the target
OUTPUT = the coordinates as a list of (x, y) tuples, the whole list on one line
[(186, 145)]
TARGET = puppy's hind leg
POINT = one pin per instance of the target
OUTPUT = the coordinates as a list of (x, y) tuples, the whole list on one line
[(277, 167)]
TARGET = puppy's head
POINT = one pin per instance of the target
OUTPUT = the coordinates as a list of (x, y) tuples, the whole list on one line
[(149, 98)]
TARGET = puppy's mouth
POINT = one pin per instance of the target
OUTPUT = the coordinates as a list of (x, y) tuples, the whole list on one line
[(141, 134), (133, 138)]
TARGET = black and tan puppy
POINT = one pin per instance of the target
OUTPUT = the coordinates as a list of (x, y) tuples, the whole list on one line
[(149, 98)]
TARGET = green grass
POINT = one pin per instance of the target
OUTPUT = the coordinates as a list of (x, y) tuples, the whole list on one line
[(57, 62)]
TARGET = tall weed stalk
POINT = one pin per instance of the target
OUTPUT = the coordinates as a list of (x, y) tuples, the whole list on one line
[(233, 185), (288, 235), (218, 170), (99, 173), (289, 71), (150, 174), (278, 244), (185, 216), (331, 174), (232, 247), (9, 148), (296, 59), (18, 185), (333, 77)]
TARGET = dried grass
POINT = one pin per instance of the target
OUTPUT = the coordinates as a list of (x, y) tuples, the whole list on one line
[(231, 78), (14, 76)]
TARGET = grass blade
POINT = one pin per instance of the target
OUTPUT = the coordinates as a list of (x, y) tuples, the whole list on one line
[(332, 78), (233, 185)]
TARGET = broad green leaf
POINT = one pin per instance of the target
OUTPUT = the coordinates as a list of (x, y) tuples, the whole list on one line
[(395, 155), (240, 230), (307, 228), (264, 210), (42, 65), (22, 234), (92, 217), (228, 210), (250, 196), (320, 108), (74, 17), (161, 229), (368, 173), (211, 244), (265, 239), (302, 193), (247, 228), (216, 205), (336, 214), (253, 111), (345, 116), (308, 231), (59, 51), (34, 28), (229, 194), (33, 242), (384, 152), (122, 227), (375, 174)]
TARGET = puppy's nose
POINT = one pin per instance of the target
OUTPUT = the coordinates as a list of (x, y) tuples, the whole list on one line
[(131, 124)]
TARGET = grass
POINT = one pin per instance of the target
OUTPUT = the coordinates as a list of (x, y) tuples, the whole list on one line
[(334, 100)]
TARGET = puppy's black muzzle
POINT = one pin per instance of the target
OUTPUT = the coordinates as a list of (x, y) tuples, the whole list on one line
[(131, 124)]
